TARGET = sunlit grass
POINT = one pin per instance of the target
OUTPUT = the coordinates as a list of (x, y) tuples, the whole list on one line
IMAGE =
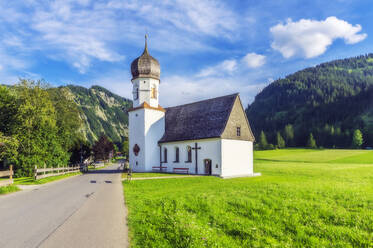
[(31, 181), (308, 203), (8, 189)]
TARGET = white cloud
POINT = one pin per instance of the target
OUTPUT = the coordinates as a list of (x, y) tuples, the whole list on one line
[(253, 60), (82, 32), (208, 17), (225, 67), (311, 38), (176, 90), (230, 66)]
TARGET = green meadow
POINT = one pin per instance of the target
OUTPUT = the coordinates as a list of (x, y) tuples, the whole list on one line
[(304, 198)]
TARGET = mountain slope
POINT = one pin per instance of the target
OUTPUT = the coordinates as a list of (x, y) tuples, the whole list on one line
[(330, 100), (102, 112)]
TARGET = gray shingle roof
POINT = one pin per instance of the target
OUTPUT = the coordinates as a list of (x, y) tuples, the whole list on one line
[(198, 120)]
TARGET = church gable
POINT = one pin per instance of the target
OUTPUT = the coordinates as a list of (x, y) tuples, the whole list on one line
[(237, 126)]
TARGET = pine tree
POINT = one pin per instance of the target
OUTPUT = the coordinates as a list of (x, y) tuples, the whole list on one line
[(289, 135), (280, 141), (311, 142), (263, 144), (357, 139)]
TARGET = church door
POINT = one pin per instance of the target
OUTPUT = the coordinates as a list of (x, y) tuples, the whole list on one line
[(207, 166)]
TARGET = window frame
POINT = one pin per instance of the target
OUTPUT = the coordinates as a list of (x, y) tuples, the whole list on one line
[(153, 92), (238, 131), (177, 155), (165, 155), (136, 94)]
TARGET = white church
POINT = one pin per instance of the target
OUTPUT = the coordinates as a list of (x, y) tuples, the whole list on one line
[(210, 137)]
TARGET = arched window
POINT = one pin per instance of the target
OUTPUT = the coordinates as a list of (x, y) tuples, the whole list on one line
[(176, 155), (154, 93), (189, 152), (136, 94), (165, 155)]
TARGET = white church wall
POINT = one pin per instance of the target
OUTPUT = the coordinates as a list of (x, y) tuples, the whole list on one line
[(210, 149), (154, 130), (136, 136), (146, 127), (237, 158)]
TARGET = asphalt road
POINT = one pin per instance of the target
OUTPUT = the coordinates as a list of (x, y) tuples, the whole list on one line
[(82, 211)]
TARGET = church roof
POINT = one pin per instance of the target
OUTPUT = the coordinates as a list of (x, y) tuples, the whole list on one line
[(198, 120)]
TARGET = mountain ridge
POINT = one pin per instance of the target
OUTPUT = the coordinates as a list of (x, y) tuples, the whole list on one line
[(329, 100), (101, 111)]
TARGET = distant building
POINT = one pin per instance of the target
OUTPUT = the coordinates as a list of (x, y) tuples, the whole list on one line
[(210, 137)]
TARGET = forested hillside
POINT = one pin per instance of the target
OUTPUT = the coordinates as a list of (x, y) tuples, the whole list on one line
[(332, 101), (101, 112)]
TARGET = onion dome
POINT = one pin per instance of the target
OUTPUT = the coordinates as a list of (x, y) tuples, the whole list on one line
[(145, 66)]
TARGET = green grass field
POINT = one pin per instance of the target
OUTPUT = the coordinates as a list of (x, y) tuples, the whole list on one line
[(31, 181), (304, 198)]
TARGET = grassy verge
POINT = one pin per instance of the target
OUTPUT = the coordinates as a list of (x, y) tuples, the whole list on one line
[(8, 189), (152, 174), (31, 181), (306, 203)]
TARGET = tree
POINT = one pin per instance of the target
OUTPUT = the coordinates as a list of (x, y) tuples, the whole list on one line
[(80, 151), (8, 111), (311, 142), (357, 139), (125, 148), (8, 148), (68, 120), (280, 141), (263, 144), (103, 148), (289, 135), (37, 131)]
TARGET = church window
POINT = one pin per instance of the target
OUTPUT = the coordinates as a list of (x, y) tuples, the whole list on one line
[(165, 155), (154, 93), (238, 131), (176, 155), (189, 151), (136, 94)]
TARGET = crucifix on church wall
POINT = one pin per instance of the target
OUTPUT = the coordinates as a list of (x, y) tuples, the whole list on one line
[(196, 148)]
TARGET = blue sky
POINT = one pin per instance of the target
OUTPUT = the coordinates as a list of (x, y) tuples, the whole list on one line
[(206, 48)]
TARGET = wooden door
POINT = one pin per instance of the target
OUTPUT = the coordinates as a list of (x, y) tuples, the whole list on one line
[(208, 166)]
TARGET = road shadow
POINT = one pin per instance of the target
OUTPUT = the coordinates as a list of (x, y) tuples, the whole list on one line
[(106, 171)]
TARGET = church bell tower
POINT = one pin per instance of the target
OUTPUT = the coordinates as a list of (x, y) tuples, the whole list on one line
[(145, 79), (146, 118)]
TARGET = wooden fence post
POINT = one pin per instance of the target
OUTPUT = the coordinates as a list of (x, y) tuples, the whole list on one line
[(35, 172), (11, 173)]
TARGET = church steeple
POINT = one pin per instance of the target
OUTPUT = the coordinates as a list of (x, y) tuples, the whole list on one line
[(145, 65), (145, 78), (146, 45)]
